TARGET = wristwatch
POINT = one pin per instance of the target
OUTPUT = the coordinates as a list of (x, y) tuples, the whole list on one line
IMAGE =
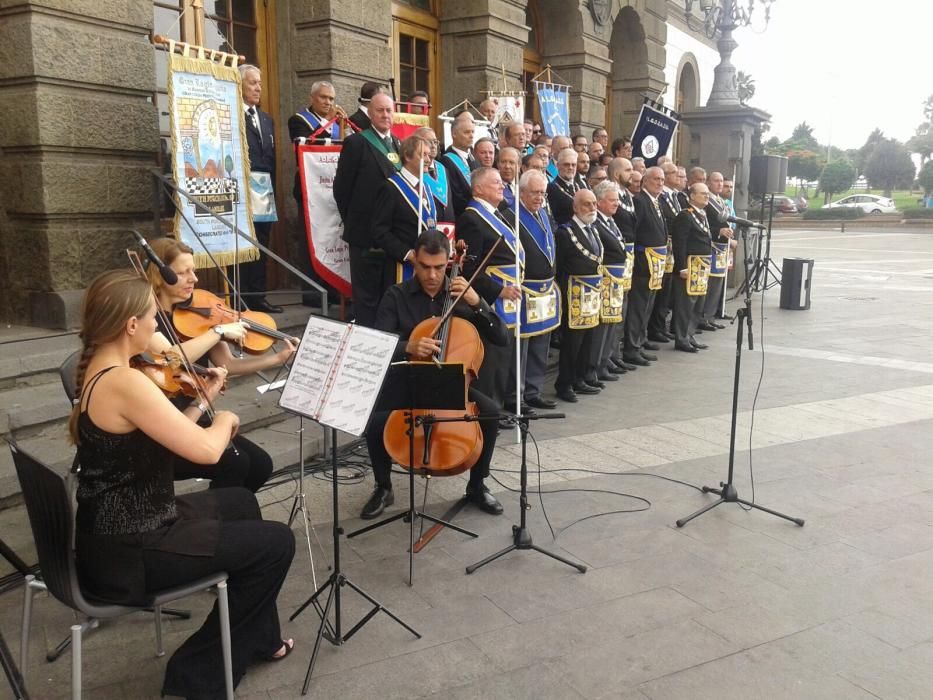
[(218, 330)]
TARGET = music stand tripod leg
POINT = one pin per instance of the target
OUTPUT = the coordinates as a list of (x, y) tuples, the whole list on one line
[(521, 535)]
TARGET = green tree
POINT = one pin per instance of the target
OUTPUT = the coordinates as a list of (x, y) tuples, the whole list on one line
[(746, 85), (837, 176), (802, 135), (925, 178), (874, 138), (922, 142), (889, 167)]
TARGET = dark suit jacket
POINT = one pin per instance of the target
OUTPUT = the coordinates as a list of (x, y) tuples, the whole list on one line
[(361, 172), (480, 237), (688, 238), (613, 246), (649, 231), (625, 219), (570, 260), (560, 200), (717, 219), (460, 190), (360, 119), (537, 265), (670, 207), (261, 150), (395, 225)]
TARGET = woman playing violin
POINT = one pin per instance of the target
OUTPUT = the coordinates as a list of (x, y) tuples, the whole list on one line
[(249, 465), (133, 535)]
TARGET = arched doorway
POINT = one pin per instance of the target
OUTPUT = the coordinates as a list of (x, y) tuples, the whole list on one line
[(686, 100)]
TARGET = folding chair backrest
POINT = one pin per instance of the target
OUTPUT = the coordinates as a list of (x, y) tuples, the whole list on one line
[(69, 374)]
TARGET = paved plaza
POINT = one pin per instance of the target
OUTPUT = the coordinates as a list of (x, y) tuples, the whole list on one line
[(734, 605)]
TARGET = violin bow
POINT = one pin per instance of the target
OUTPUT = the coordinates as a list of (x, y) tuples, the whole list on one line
[(475, 274)]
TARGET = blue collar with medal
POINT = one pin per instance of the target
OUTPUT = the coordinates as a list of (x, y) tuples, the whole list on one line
[(551, 171), (499, 226), (540, 232), (459, 163), (438, 184), (313, 121), (428, 211)]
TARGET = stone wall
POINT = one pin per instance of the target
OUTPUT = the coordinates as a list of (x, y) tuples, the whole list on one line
[(79, 135)]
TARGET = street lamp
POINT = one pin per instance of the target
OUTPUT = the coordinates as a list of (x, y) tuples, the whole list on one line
[(722, 17)]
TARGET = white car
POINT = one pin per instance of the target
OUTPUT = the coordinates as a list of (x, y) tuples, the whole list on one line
[(868, 203)]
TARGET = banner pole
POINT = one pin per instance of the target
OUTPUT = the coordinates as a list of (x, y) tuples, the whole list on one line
[(519, 385)]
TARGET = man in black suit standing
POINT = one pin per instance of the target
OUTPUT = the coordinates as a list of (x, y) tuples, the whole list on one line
[(579, 261), (670, 207), (361, 117), (692, 243), (607, 335), (367, 159), (716, 214), (459, 162), (648, 273), (563, 187), (260, 141)]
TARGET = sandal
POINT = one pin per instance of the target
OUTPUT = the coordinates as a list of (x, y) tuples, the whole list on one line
[(288, 645)]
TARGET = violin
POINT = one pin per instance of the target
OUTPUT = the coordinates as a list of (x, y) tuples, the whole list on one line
[(167, 371), (446, 448), (205, 310)]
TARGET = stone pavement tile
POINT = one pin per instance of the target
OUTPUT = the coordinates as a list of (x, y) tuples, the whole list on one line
[(727, 589), (589, 451), (900, 623), (749, 624), (894, 542), (906, 675), (536, 682), (627, 454), (666, 442), (630, 544), (406, 676), (756, 673), (814, 565), (585, 629), (628, 661)]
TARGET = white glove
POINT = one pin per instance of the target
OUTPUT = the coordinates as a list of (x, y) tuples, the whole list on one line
[(234, 332)]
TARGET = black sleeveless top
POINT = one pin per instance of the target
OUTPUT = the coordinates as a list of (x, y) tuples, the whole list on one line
[(125, 485)]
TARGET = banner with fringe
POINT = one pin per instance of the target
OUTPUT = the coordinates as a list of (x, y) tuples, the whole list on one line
[(210, 157)]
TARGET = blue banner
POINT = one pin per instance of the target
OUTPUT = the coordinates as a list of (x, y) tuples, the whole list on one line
[(555, 110), (653, 133)]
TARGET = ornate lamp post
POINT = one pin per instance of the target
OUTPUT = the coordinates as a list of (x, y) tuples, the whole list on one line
[(722, 17)]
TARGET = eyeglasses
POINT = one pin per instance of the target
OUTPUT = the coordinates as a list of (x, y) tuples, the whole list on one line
[(536, 131)]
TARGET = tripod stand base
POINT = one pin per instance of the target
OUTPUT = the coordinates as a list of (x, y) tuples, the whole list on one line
[(332, 633), (521, 539), (728, 494)]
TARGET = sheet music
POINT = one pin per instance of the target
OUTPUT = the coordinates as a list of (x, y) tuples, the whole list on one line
[(359, 375), (337, 373)]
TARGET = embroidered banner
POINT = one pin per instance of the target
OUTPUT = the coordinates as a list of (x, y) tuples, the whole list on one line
[(553, 100), (653, 133), (330, 254), (210, 157)]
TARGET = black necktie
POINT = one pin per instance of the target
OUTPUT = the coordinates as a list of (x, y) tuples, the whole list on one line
[(254, 119), (538, 218), (388, 143), (590, 236)]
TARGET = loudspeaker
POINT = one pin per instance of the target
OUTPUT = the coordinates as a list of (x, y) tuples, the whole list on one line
[(767, 175), (796, 274)]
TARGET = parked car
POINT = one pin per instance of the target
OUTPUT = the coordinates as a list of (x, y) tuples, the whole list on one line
[(782, 205), (868, 203)]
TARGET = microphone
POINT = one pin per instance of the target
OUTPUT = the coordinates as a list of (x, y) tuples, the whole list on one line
[(168, 274), (744, 222)]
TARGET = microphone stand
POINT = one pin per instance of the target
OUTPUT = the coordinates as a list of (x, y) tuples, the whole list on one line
[(521, 535), (727, 492)]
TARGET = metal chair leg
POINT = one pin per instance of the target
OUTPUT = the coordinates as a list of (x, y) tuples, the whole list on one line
[(225, 637), (76, 662), (27, 621), (157, 611)]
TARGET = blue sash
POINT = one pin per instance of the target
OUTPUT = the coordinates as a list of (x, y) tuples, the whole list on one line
[(551, 171), (438, 185), (719, 260), (540, 307), (460, 164), (500, 227), (509, 197), (312, 121), (428, 211), (543, 236), (505, 275)]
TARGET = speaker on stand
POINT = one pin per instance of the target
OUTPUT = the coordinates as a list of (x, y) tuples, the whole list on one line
[(767, 177)]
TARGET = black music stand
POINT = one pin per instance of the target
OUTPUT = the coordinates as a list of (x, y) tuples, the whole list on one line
[(412, 386)]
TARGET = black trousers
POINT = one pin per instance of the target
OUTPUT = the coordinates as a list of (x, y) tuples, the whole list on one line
[(713, 303), (256, 555), (641, 300), (534, 362), (687, 310), (253, 274), (367, 272), (657, 324), (249, 469), (382, 463)]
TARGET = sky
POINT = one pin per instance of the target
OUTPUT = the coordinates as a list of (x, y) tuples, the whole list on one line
[(843, 66)]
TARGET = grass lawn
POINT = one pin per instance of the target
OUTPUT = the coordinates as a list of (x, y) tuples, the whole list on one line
[(903, 199)]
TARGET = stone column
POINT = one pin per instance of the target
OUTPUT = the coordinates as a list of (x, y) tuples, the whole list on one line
[(478, 38), (79, 136)]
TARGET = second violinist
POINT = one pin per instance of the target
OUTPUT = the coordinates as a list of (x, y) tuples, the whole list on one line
[(249, 465)]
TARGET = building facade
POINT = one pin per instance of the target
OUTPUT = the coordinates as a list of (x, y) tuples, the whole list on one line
[(83, 102)]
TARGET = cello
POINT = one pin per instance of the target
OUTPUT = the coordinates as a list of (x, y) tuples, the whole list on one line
[(453, 446)]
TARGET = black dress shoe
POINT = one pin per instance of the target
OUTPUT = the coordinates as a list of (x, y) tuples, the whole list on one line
[(685, 348), (265, 307), (706, 326), (698, 346), (479, 495), (628, 367), (595, 383), (377, 503), (657, 338), (717, 326), (670, 336), (568, 395), (649, 357), (639, 361), (650, 346), (607, 377), (539, 402), (697, 330), (526, 409), (585, 389), (616, 369)]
